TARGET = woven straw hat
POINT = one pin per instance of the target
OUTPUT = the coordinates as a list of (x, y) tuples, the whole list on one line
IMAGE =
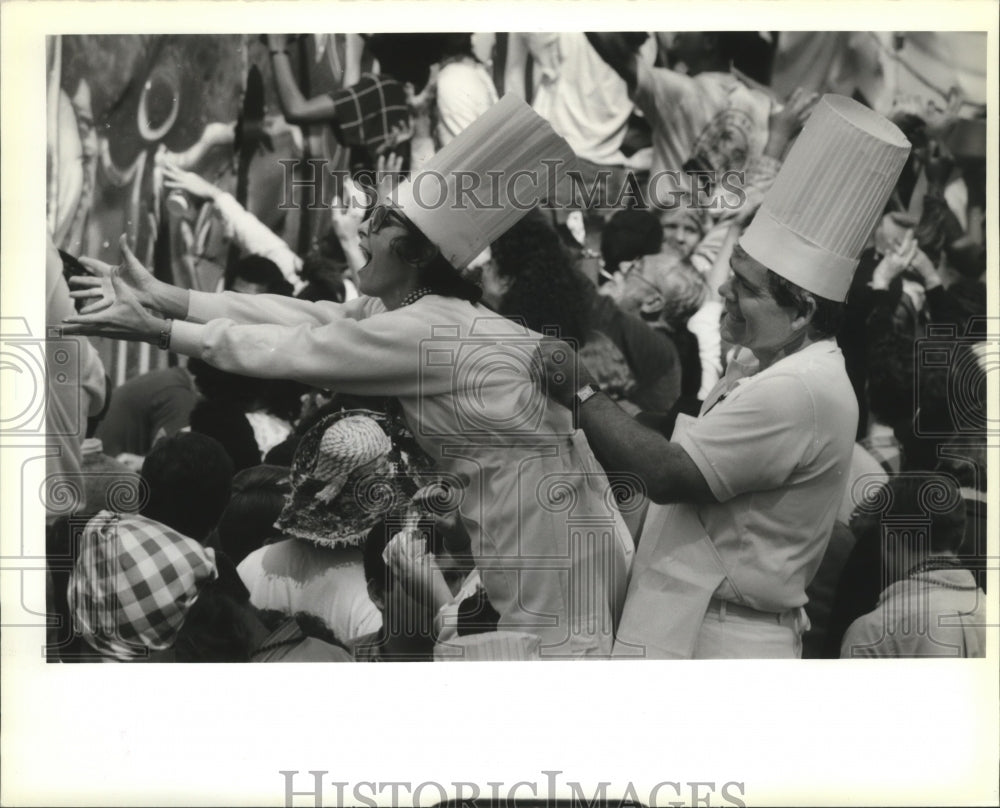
[(349, 471)]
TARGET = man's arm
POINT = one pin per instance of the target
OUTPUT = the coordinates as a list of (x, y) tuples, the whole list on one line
[(618, 50), (621, 443)]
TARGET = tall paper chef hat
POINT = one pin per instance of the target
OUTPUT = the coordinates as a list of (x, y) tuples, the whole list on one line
[(828, 197), (516, 158)]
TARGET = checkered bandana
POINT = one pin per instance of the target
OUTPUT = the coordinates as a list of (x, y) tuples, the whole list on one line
[(133, 583)]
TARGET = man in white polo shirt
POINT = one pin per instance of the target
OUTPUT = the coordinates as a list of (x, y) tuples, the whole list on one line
[(750, 489)]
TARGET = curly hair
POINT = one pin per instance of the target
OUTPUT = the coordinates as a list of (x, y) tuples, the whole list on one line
[(546, 291), (433, 269), (683, 288)]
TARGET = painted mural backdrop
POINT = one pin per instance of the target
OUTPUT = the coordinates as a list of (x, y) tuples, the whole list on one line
[(119, 105)]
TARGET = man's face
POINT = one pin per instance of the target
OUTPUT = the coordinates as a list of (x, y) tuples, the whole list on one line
[(633, 288), (753, 318)]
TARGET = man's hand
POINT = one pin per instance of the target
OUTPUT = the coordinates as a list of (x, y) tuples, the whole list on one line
[(562, 372)]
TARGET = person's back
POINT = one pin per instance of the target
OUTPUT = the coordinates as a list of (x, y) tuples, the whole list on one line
[(706, 121), (940, 613), (587, 101), (296, 577), (147, 407), (464, 88)]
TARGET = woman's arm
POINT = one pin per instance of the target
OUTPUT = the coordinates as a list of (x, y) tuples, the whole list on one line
[(377, 356), (277, 309), (249, 232), (296, 108)]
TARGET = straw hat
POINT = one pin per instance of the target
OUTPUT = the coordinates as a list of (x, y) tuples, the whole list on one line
[(349, 471)]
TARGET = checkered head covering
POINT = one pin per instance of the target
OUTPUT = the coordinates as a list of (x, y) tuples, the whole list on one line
[(133, 584)]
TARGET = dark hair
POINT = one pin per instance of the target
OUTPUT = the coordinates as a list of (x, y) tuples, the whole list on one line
[(228, 425), (546, 291), (967, 258), (376, 570), (260, 270), (215, 628), (406, 57), (279, 397), (628, 235), (221, 385), (889, 385), (913, 127), (829, 315), (258, 497), (456, 45), (950, 404), (189, 477), (282, 398), (323, 269), (433, 271), (748, 52), (937, 229)]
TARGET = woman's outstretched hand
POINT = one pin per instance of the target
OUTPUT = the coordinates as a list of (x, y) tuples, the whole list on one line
[(124, 318), (97, 288)]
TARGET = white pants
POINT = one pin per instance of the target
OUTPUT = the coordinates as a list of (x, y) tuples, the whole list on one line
[(726, 634)]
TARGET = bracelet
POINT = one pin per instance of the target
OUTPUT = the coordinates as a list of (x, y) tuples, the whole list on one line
[(164, 342)]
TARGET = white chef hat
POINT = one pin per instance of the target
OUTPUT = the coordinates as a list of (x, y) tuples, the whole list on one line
[(828, 197), (515, 157)]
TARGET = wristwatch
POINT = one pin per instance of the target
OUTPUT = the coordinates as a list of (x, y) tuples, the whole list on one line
[(581, 397), (164, 339)]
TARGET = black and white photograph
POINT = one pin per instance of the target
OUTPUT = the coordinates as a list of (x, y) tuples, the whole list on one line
[(670, 349)]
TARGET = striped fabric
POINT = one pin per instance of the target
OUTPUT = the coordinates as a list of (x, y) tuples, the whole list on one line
[(133, 583), (828, 197), (518, 156)]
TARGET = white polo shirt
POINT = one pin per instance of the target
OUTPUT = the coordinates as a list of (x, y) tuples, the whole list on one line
[(776, 452)]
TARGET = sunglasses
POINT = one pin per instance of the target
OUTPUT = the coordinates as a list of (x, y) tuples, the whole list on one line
[(378, 216)]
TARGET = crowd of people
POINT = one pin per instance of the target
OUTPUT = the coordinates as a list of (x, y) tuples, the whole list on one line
[(718, 391)]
